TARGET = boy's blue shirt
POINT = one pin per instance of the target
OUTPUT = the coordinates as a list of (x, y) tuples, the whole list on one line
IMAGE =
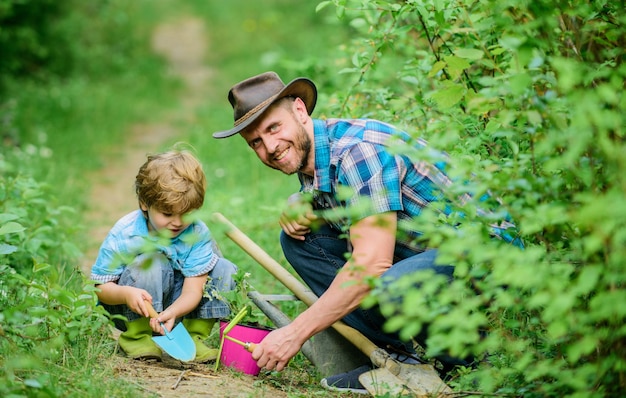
[(191, 252)]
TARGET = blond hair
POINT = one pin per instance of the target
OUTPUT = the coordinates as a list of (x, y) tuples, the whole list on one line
[(171, 182)]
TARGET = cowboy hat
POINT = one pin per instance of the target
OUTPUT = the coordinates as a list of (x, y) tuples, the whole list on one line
[(251, 97)]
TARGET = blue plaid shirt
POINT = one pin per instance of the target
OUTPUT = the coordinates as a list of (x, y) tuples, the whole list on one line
[(361, 154), (191, 252)]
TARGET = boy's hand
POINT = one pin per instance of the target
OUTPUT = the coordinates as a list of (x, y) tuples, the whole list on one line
[(157, 322), (164, 317), (135, 298)]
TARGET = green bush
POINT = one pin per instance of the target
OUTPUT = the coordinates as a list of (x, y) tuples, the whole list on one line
[(51, 330), (33, 228), (48, 39), (30, 38), (54, 122), (528, 99)]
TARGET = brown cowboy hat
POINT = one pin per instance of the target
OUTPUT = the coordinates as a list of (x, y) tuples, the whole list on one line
[(251, 97)]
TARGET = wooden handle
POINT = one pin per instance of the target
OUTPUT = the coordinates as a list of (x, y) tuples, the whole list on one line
[(249, 347), (151, 311), (294, 285)]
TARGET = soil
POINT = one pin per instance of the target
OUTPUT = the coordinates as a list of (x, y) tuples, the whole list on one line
[(183, 43)]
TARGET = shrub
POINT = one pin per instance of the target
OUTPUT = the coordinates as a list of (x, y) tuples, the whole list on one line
[(30, 39), (48, 315), (528, 99), (44, 40), (33, 228)]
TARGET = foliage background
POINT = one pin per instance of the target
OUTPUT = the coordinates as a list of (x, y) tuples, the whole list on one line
[(527, 97)]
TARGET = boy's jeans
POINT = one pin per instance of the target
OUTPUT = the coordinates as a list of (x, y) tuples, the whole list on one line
[(166, 284), (321, 255)]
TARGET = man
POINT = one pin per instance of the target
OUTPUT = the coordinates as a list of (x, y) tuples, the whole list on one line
[(341, 164)]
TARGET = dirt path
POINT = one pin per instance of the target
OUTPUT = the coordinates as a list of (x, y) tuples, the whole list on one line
[(183, 42)]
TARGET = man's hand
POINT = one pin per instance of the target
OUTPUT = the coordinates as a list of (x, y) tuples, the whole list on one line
[(297, 218), (277, 348)]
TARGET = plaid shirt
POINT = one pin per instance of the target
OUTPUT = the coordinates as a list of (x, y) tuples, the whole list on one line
[(191, 252), (361, 154)]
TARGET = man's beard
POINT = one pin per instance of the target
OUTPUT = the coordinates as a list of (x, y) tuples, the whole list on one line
[(303, 145)]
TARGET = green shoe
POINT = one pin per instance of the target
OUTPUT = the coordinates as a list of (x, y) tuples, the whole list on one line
[(199, 329), (136, 341)]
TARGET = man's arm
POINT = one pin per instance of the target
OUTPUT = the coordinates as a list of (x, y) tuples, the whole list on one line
[(373, 242)]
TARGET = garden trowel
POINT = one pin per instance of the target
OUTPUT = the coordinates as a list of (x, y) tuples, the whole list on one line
[(176, 342)]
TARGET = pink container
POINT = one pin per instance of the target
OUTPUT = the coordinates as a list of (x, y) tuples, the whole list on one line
[(234, 355)]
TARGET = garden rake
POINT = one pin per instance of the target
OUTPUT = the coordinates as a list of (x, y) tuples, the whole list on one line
[(391, 376)]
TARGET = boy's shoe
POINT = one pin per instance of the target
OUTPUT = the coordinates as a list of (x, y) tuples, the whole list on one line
[(347, 382), (199, 329), (136, 341)]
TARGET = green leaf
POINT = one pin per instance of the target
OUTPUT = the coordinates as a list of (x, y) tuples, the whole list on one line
[(33, 383), (7, 249), (39, 311), (534, 117), (588, 279), (4, 217), (520, 83), (437, 67), (11, 228), (469, 53), (410, 329), (322, 5), (606, 306), (71, 249), (38, 267), (569, 73), (512, 42), (456, 66), (395, 323), (584, 346), (449, 96), (340, 12)]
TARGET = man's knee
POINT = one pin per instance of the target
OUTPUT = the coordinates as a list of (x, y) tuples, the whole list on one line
[(286, 241), (292, 248)]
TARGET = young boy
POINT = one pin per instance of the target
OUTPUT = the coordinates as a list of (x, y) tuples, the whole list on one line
[(158, 255)]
